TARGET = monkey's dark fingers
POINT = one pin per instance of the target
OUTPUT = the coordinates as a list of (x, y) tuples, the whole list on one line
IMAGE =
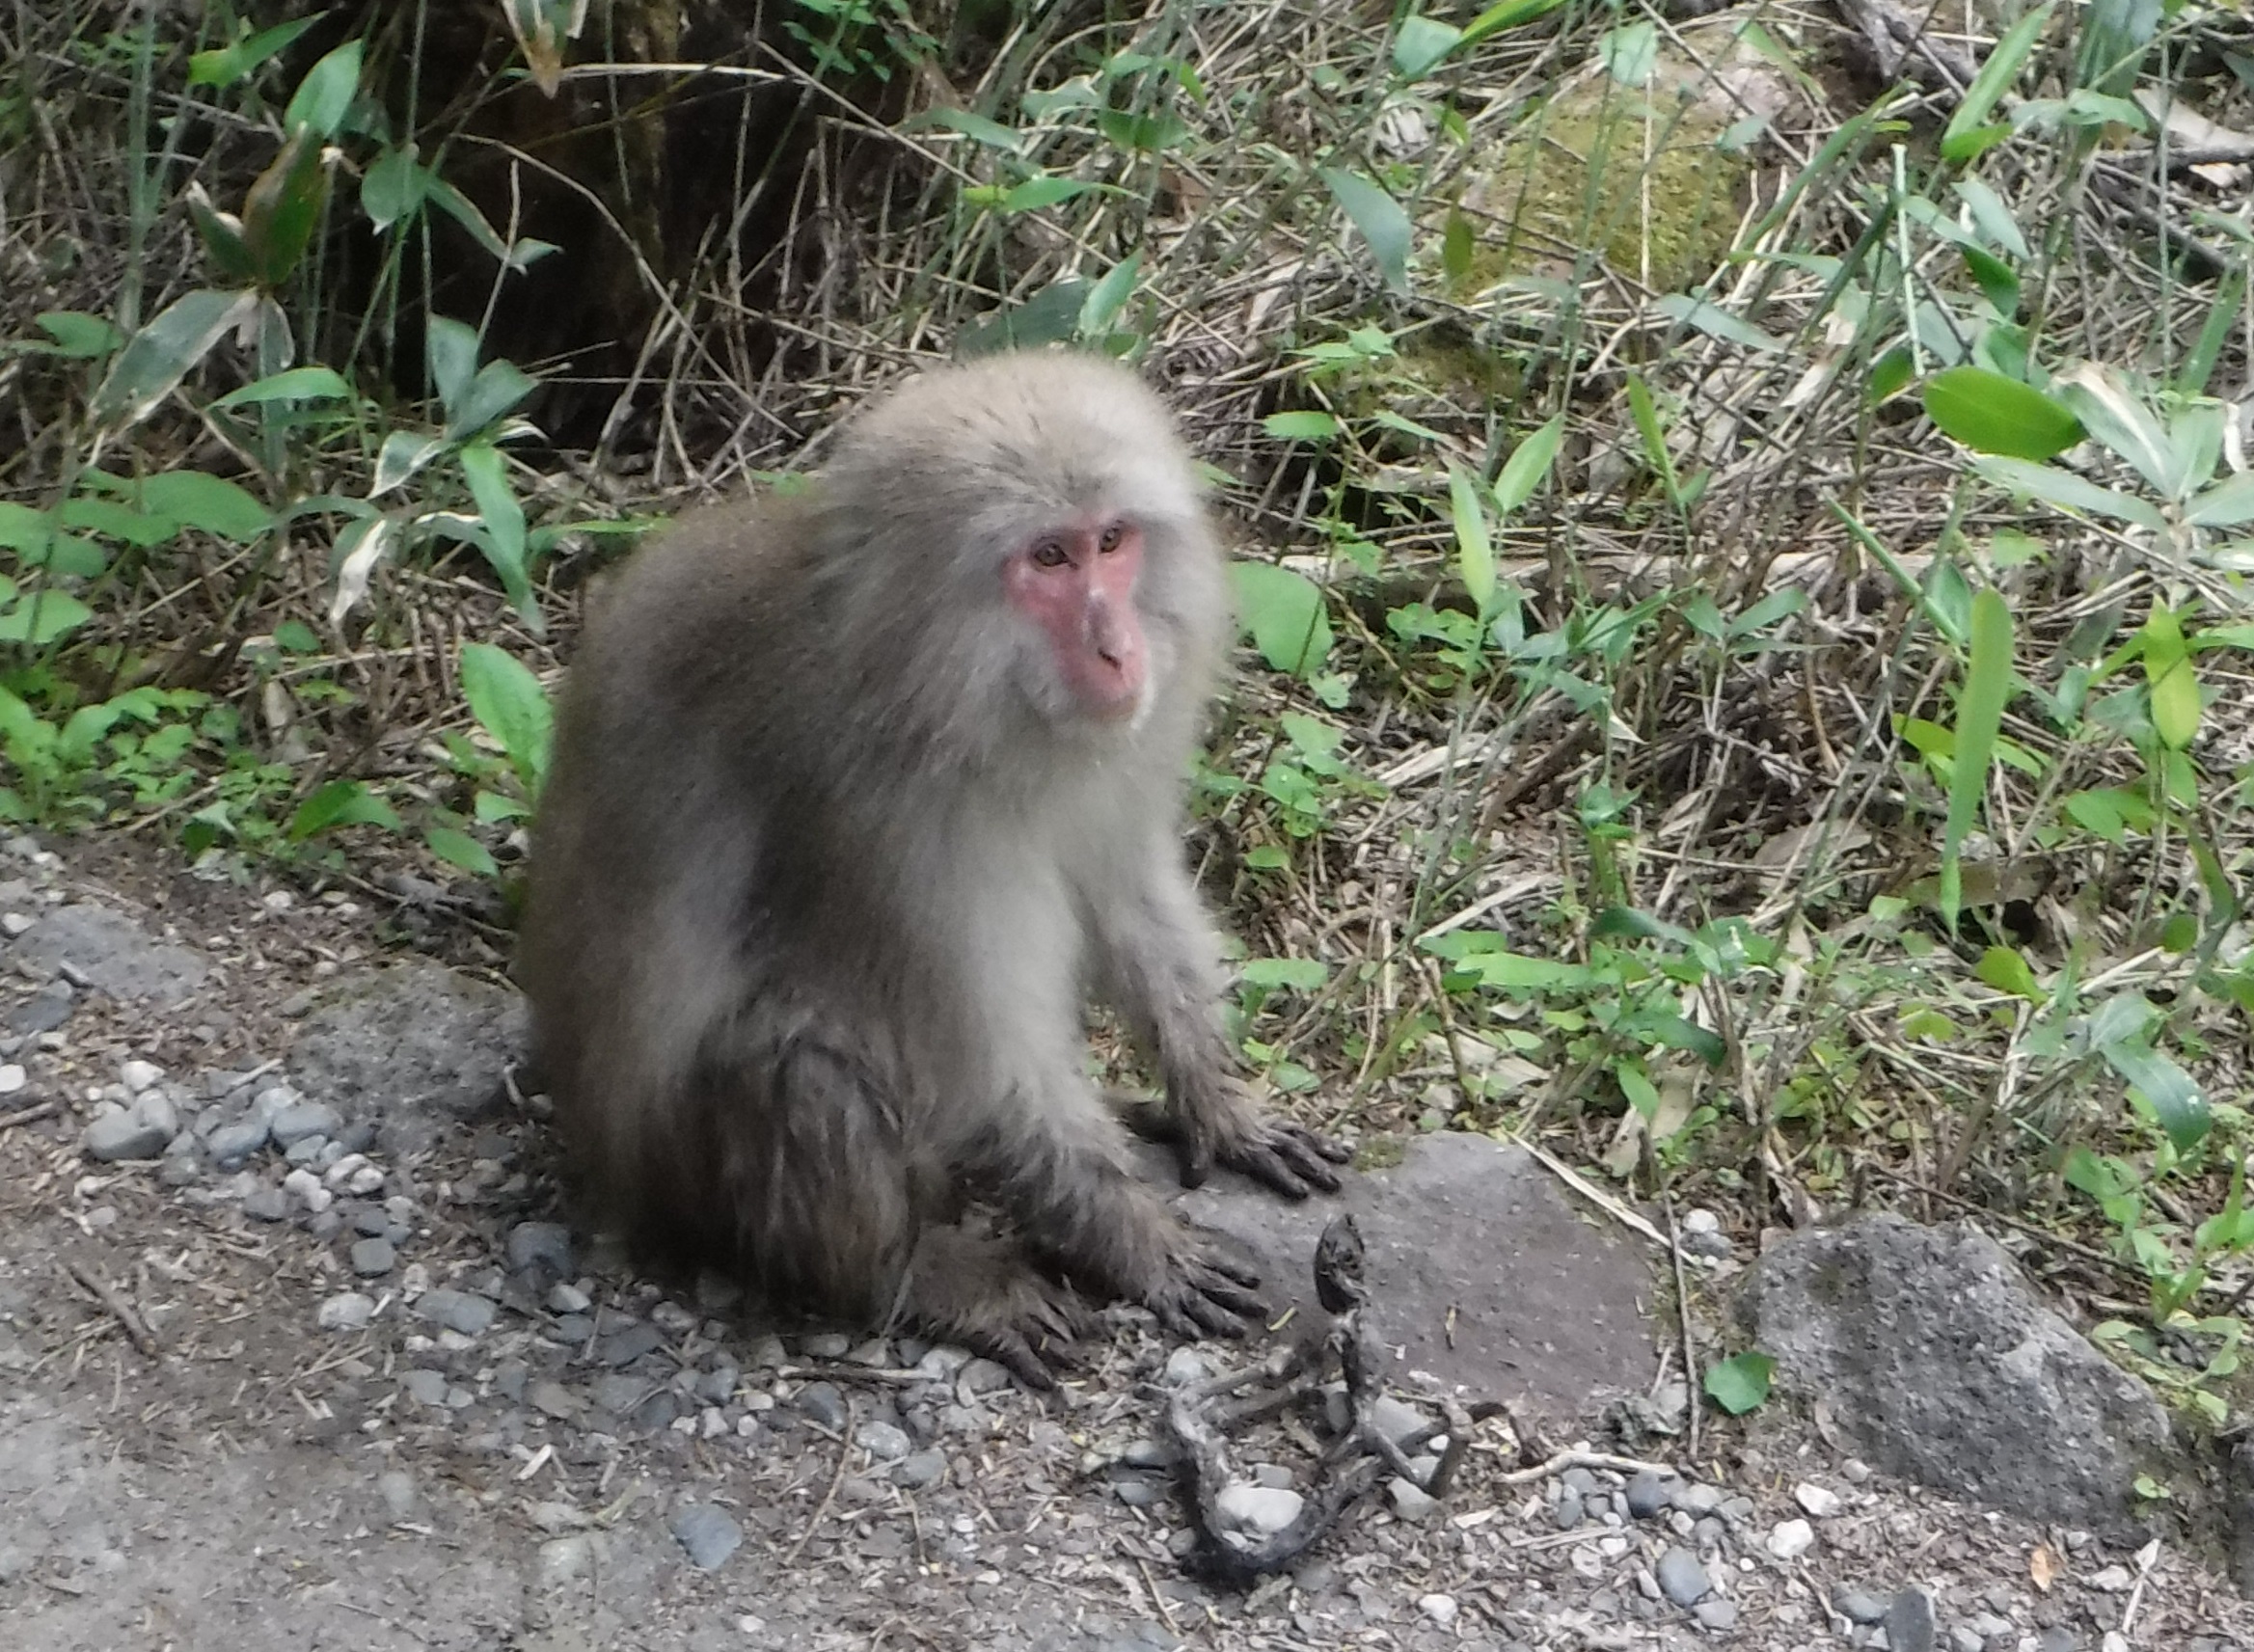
[(1312, 1155), (1012, 1351)]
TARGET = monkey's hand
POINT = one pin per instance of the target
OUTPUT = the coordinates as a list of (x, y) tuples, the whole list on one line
[(1205, 1295), (1237, 1136)]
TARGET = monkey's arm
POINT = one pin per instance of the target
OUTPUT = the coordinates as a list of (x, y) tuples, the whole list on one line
[(1158, 952)]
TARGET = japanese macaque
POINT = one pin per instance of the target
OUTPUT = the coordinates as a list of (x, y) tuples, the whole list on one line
[(856, 795)]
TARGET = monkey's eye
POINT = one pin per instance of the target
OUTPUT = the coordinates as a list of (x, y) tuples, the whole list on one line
[(1049, 554), (1112, 538)]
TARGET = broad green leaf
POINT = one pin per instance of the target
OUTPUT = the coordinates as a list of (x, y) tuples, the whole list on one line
[(1961, 141), (324, 97), (1475, 551), (296, 383), (1889, 374), (282, 206), (450, 349), (499, 388), (1979, 715), (1529, 466), (2176, 1100), (1047, 318), (977, 127), (510, 705), (2068, 491), (1108, 297), (403, 453), (1990, 413), (1630, 52), (1421, 44), (2229, 503), (2113, 412), (1045, 190), (1284, 611), (1741, 1382), (78, 336), (114, 521), (463, 211), (1637, 1086), (1146, 134), (39, 617), (227, 254), (2115, 35), (164, 351), (1720, 323), (1991, 216), (1645, 413), (1456, 247), (457, 848), (503, 521), (212, 504), (1776, 605), (341, 802), (1998, 281), (393, 187), (1300, 974), (1383, 225), (1304, 425), (2005, 969), (2170, 681)]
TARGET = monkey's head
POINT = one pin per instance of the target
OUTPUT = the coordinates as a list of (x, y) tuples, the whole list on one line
[(1047, 556)]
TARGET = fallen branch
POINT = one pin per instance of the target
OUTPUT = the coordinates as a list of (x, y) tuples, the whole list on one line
[(120, 1310)]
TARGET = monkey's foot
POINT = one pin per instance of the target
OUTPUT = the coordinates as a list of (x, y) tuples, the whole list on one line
[(1203, 1294), (984, 1293), (1289, 1158)]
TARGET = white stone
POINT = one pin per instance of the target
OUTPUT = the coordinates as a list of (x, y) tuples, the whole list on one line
[(15, 923), (1440, 1609), (365, 1180), (1261, 1510), (307, 1189), (1791, 1539), (349, 1310), (345, 1168), (1818, 1500), (139, 1076), (13, 1078)]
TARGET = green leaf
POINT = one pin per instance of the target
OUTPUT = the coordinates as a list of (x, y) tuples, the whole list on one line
[(1456, 247), (2113, 413), (78, 336), (1963, 139), (1299, 974), (1147, 134), (393, 187), (212, 504), (1047, 318), (227, 64), (1383, 225), (1718, 322), (282, 206), (1529, 466), (1420, 45), (1108, 297), (403, 453), (449, 350), (463, 211), (163, 352), (1042, 191), (294, 384), (1284, 611), (977, 127), (1308, 424), (1990, 413), (324, 97), (457, 848), (499, 388), (508, 702), (1475, 551), (1635, 1085), (2176, 1100), (504, 519), (1988, 680), (2170, 681), (41, 616), (2005, 969), (113, 521), (1509, 14), (1741, 1382), (341, 802), (2068, 491), (1630, 52)]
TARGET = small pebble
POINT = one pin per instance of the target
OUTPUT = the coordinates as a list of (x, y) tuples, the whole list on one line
[(302, 1120), (1409, 1503), (426, 1387), (821, 1402), (306, 1187), (455, 1309), (827, 1346), (139, 1076), (918, 1471), (1440, 1609), (886, 1442), (346, 1311), (12, 1077), (1649, 1493), (1910, 1622), (1260, 1510), (265, 1204), (1697, 1500), (397, 1487), (1185, 1366), (545, 1243), (1717, 1613), (1682, 1579), (1819, 1502), (981, 1377), (567, 1299), (371, 1258), (1858, 1605)]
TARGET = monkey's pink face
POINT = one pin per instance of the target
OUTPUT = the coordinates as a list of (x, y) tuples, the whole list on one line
[(1077, 583)]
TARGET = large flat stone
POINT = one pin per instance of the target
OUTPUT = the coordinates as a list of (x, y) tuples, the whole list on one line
[(1483, 1272), (112, 953)]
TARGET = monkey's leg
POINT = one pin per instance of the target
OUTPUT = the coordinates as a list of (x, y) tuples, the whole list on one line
[(1156, 947), (835, 1208)]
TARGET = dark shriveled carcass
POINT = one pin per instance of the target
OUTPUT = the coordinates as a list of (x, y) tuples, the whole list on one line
[(855, 795)]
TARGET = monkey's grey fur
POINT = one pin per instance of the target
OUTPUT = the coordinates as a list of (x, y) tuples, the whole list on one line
[(828, 862)]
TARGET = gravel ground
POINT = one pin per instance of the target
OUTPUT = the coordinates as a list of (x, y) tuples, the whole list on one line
[(289, 1382)]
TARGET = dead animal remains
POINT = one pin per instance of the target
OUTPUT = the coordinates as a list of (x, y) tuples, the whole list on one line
[(855, 794)]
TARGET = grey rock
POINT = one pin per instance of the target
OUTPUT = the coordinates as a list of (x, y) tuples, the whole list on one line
[(829, 1346), (821, 1402), (370, 1220), (563, 1298), (1943, 1366), (709, 1534), (302, 1120), (625, 1346), (397, 1487), (1409, 1501), (346, 1311), (919, 1470), (1147, 1454), (886, 1442), (426, 1387), (1682, 1578), (1858, 1606), (1139, 1491), (981, 1377), (546, 1244), (178, 1170), (1395, 1419), (231, 1146), (1259, 1511), (124, 1134), (1697, 1500), (1910, 1622), (766, 1353), (1479, 1268), (266, 1204), (108, 951), (406, 1042), (1567, 1509), (373, 1257), (1184, 1367), (2057, 1639), (44, 1010), (718, 1386), (1717, 1613), (660, 1410), (1649, 1493), (455, 1310)]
